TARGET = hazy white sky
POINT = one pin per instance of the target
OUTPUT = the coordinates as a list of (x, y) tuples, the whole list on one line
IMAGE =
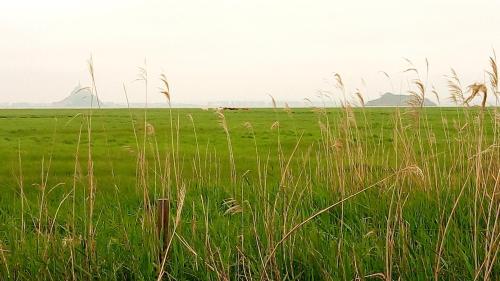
[(238, 50)]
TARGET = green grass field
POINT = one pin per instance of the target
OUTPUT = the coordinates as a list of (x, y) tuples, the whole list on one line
[(259, 194)]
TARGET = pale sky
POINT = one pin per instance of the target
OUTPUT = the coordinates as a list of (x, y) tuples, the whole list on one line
[(238, 50)]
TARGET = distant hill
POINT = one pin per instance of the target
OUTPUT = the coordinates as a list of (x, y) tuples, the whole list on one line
[(78, 98), (389, 99)]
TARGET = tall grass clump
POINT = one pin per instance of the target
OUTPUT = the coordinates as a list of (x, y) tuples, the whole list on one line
[(349, 193)]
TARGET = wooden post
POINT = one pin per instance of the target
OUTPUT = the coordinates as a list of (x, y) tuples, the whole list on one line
[(163, 224)]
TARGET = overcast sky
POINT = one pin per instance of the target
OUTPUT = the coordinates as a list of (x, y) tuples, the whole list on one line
[(238, 50)]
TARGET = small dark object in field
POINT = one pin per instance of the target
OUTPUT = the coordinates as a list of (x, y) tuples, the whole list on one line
[(235, 108)]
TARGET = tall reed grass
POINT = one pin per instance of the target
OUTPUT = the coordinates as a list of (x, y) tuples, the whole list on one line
[(412, 198)]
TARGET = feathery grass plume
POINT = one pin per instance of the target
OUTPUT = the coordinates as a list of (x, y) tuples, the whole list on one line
[(417, 97), (493, 73), (83, 89), (219, 112), (337, 144), (165, 89), (411, 67), (275, 125), (385, 74), (287, 109), (413, 170), (388, 77), (248, 125), (360, 97), (150, 129), (232, 206), (436, 94), (427, 68), (273, 101), (475, 89), (142, 74), (308, 100), (363, 82), (339, 84), (455, 88), (338, 80), (93, 89)]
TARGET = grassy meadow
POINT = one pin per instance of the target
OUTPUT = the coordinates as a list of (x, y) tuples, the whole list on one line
[(259, 194)]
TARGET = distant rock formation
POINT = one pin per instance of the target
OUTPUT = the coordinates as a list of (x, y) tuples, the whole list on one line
[(389, 99), (78, 98)]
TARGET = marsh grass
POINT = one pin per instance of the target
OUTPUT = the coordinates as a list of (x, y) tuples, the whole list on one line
[(320, 193)]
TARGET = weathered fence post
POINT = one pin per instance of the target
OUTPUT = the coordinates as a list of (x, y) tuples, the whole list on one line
[(163, 224)]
